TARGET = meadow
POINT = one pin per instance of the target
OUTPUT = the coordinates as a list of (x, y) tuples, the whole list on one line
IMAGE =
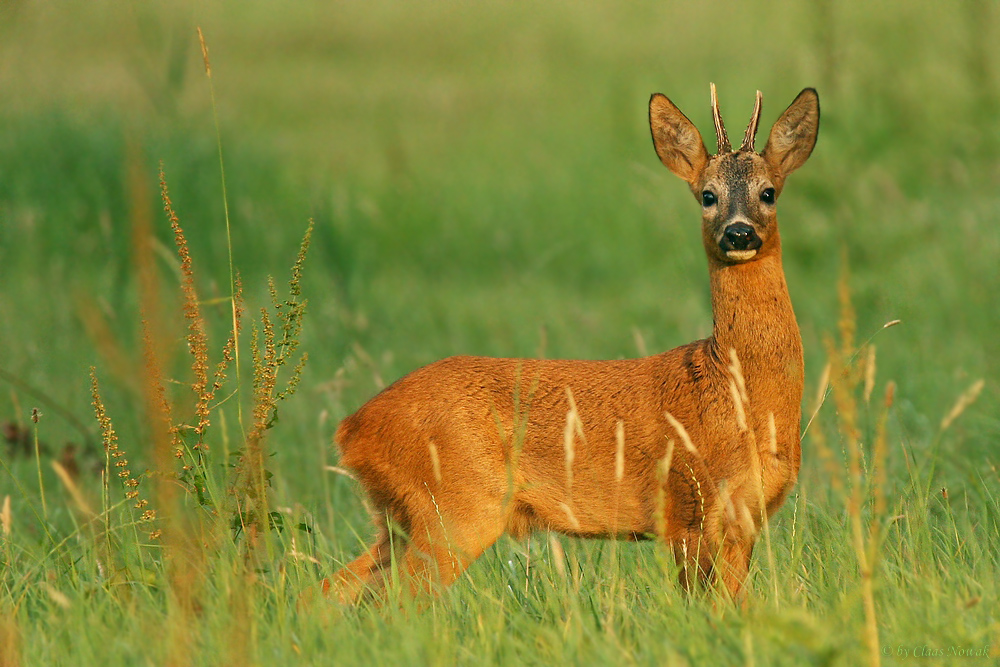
[(480, 180)]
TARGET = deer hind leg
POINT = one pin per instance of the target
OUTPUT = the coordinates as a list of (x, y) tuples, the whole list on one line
[(440, 548), (432, 561), (366, 572), (432, 545)]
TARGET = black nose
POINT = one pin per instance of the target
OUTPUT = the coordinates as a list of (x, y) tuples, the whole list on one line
[(739, 236)]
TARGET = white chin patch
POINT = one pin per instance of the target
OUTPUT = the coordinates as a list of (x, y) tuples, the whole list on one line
[(740, 255)]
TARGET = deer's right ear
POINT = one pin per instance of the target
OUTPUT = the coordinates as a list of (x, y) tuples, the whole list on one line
[(794, 134), (676, 139)]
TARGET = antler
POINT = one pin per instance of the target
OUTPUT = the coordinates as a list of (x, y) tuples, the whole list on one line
[(751, 134), (721, 140)]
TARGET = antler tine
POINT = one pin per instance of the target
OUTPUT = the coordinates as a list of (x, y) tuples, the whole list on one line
[(751, 134), (721, 140)]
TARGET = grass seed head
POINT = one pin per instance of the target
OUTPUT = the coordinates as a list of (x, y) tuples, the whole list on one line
[(5, 516), (967, 398), (682, 432), (619, 450)]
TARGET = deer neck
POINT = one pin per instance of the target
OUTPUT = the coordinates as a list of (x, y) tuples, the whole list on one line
[(753, 315)]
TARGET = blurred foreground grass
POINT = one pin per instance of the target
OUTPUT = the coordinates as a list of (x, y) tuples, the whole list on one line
[(482, 182)]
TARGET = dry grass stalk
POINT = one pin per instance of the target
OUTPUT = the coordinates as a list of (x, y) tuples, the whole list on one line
[(726, 498), (879, 459), (736, 371), (558, 556), (341, 471), (569, 448), (6, 520), (56, 595), (741, 415), (682, 432), (180, 539), (435, 460), (967, 398), (830, 465), (10, 638), (619, 450), (869, 373), (845, 381), (204, 53), (847, 411), (100, 334), (570, 515), (575, 414), (663, 472), (71, 486), (772, 431), (751, 522), (847, 323)]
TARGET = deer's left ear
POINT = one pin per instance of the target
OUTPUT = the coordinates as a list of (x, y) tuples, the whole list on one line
[(676, 140), (794, 134)]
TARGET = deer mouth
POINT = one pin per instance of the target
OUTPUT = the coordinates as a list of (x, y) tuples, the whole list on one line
[(740, 242), (741, 255)]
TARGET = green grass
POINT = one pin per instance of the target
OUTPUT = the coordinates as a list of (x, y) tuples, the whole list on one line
[(482, 181)]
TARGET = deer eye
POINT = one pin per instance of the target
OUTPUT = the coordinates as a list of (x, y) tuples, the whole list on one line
[(767, 196), (707, 198)]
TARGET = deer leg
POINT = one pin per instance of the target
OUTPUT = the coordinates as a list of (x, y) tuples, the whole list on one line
[(438, 554), (697, 560), (366, 572), (733, 565), (431, 565)]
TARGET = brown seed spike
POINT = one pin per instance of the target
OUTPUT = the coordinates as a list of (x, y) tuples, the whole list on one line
[(721, 139), (751, 135)]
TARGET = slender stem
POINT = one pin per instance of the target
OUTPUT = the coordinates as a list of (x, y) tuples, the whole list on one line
[(225, 209), (38, 464)]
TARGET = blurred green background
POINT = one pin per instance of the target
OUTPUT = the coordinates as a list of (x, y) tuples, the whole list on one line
[(482, 182)]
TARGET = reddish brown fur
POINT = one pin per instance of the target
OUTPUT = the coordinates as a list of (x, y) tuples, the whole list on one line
[(459, 452)]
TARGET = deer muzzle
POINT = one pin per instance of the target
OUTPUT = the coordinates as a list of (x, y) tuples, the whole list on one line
[(739, 241)]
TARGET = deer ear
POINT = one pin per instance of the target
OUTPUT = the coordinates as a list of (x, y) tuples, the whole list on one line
[(676, 139), (794, 134)]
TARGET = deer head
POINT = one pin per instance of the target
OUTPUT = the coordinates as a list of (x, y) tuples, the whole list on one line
[(738, 190)]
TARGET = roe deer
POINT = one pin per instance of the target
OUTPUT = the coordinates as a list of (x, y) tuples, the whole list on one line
[(459, 452)]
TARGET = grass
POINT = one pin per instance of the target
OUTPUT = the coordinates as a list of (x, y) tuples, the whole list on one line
[(481, 181)]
